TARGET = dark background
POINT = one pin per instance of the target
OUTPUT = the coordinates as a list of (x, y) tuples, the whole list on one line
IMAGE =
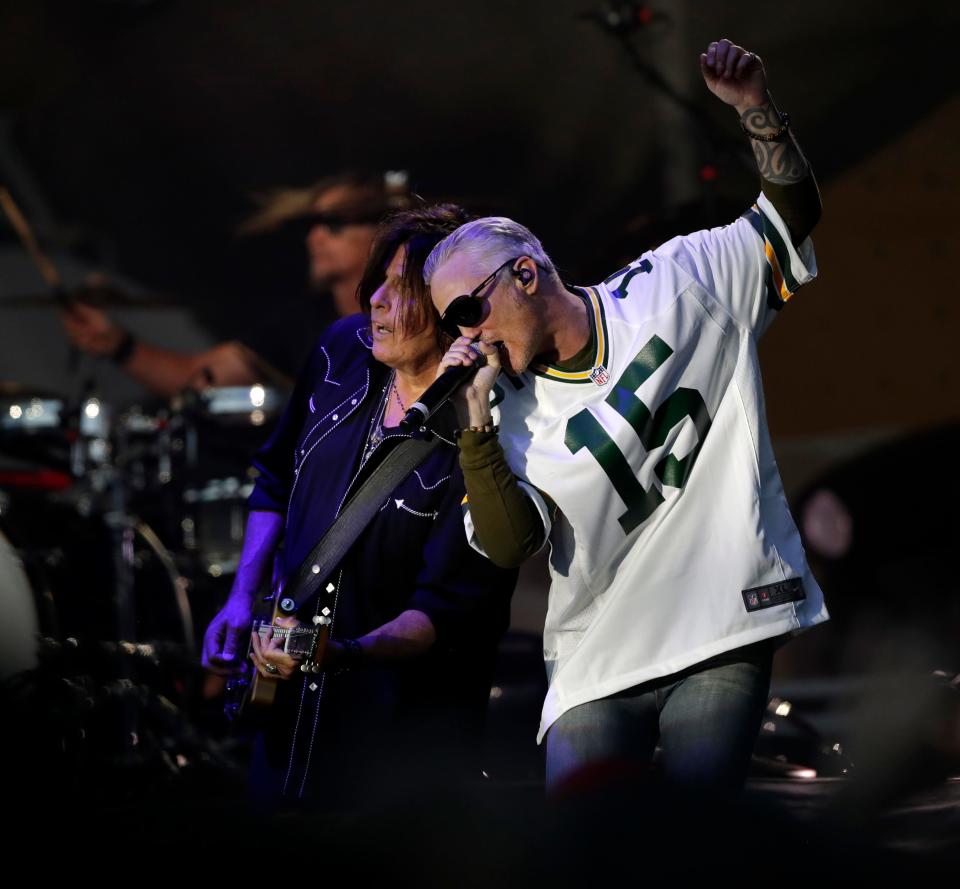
[(147, 124)]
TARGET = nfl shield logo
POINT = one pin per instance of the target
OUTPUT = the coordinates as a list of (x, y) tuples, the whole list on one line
[(599, 375)]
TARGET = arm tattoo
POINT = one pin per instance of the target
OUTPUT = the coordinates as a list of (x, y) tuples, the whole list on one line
[(780, 162)]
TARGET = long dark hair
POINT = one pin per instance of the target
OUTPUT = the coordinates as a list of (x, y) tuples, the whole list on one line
[(420, 230)]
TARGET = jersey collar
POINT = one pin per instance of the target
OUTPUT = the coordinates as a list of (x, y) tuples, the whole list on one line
[(597, 372)]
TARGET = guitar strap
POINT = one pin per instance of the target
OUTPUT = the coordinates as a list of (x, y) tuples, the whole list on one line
[(355, 516)]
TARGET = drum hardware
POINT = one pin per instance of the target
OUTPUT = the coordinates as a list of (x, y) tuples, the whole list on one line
[(217, 432), (93, 445), (146, 446), (790, 746), (112, 459), (31, 414), (214, 529), (34, 426), (240, 405), (93, 542), (179, 583), (151, 502)]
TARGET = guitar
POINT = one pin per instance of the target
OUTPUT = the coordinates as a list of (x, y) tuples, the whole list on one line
[(252, 689)]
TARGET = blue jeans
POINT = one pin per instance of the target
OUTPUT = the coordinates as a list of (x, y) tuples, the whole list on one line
[(706, 719)]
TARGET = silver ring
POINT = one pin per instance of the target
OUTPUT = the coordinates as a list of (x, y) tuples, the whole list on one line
[(272, 668)]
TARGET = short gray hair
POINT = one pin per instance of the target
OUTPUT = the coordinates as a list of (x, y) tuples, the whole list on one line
[(488, 242)]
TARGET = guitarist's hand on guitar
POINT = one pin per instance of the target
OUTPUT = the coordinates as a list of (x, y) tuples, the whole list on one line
[(268, 652), (225, 639)]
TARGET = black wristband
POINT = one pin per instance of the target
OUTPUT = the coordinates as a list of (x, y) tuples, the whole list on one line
[(121, 355), (351, 654)]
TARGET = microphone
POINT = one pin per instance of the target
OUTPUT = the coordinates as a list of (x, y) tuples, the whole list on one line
[(438, 393)]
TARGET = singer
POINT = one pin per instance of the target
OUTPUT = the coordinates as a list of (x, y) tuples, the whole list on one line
[(633, 420), (418, 615)]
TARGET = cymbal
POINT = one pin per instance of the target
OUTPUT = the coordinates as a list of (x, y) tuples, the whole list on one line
[(100, 296)]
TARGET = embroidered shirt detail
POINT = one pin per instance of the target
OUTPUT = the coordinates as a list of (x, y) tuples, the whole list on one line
[(363, 334), (424, 485), (326, 371)]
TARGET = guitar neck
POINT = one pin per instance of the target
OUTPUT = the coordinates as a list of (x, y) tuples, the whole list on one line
[(298, 641)]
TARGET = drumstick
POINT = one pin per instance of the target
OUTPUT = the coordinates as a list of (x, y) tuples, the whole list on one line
[(43, 262)]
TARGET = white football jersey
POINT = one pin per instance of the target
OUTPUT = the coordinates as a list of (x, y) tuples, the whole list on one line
[(672, 541)]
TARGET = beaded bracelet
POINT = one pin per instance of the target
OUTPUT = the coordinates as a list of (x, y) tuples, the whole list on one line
[(487, 427), (775, 136)]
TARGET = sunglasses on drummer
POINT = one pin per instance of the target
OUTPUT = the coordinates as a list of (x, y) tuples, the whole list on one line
[(335, 223), (466, 310)]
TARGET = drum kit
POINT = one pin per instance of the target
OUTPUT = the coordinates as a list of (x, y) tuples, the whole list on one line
[(125, 524), (119, 524)]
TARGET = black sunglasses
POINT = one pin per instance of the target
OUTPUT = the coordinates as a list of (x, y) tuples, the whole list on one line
[(334, 222), (466, 310)]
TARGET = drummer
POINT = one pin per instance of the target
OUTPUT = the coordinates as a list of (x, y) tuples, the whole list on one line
[(342, 213)]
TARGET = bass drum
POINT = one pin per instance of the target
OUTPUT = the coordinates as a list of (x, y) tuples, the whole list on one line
[(70, 556)]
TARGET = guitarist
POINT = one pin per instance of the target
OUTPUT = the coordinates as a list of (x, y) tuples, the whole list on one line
[(398, 698)]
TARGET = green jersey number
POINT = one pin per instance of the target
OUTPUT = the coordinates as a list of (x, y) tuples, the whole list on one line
[(629, 272), (585, 431)]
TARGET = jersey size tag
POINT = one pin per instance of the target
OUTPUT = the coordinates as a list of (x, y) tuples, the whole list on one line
[(600, 375), (774, 594)]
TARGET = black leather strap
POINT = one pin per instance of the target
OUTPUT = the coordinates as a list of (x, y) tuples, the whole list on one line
[(355, 516)]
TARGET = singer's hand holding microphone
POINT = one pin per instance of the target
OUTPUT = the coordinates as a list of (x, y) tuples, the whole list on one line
[(473, 400), (458, 368)]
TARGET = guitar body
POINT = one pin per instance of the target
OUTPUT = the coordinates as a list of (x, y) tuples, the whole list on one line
[(263, 691)]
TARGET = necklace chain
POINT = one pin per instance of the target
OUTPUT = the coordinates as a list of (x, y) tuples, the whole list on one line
[(393, 385), (376, 432)]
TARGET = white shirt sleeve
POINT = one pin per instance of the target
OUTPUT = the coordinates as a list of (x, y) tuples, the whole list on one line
[(750, 266)]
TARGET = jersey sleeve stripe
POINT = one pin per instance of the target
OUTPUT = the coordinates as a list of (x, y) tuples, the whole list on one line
[(774, 300), (777, 249), (753, 217), (779, 281)]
